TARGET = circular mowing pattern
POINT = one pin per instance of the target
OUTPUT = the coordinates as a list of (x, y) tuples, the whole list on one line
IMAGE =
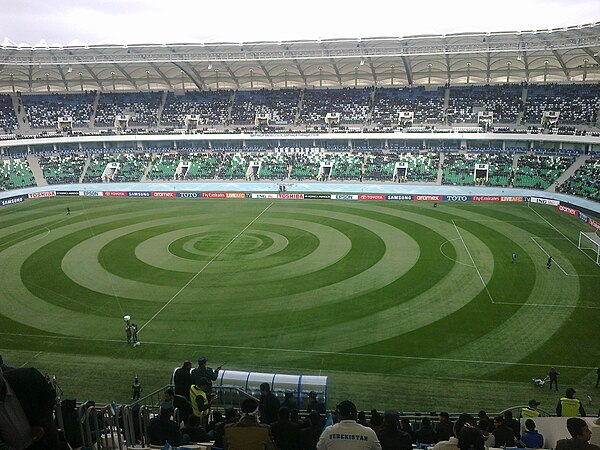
[(203, 246)]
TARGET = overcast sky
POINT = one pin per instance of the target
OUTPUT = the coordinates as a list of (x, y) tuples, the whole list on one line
[(173, 21)]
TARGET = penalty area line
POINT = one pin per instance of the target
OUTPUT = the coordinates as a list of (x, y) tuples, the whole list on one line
[(473, 261), (553, 260), (299, 351), (205, 266)]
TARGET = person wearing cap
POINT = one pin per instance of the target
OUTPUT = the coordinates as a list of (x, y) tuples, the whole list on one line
[(347, 434), (531, 438), (162, 429), (314, 404), (289, 401), (569, 406), (202, 371), (391, 437), (26, 407), (531, 411), (201, 400), (248, 433), (580, 436)]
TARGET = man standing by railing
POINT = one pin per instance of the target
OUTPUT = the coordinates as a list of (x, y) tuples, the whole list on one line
[(202, 371)]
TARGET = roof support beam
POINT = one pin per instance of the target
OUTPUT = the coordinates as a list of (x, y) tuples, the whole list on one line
[(127, 76), (193, 75), (94, 76), (526, 62), (408, 70), (373, 72), (267, 75), (162, 75), (62, 75), (301, 72), (562, 64)]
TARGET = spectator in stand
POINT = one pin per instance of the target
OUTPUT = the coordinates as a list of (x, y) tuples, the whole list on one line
[(376, 422), (469, 436), (580, 436), (407, 428), (488, 438), (182, 379), (512, 423), (286, 434), (447, 444), (194, 431), (361, 418), (3, 366), (202, 371), (336, 436), (310, 436), (231, 416), (569, 406), (26, 407), (162, 429), (483, 416), (314, 404), (214, 419), (289, 401), (390, 436), (426, 434), (248, 433), (503, 434), (532, 438), (531, 410), (270, 403), (181, 403), (200, 400), (445, 428)]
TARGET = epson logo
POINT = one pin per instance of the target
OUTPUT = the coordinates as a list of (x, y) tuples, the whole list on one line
[(344, 197), (91, 194)]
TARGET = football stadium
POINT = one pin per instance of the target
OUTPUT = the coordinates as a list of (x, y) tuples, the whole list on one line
[(409, 223)]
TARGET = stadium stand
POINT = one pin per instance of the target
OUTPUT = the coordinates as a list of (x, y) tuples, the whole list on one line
[(43, 110), (211, 106), (346, 166), (459, 168), (464, 103), (274, 166), (8, 118), (281, 106), (62, 168), (15, 173), (125, 167), (352, 104), (164, 166), (539, 172), (427, 105), (576, 103), (585, 182), (142, 107), (421, 166), (234, 167)]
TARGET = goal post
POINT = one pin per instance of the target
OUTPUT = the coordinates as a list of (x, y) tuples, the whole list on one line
[(590, 241)]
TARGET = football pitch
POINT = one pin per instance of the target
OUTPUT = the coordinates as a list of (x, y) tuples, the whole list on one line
[(400, 304)]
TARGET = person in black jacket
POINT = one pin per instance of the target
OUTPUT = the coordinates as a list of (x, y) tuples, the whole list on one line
[(182, 379), (26, 417), (162, 429), (286, 433), (390, 436), (269, 402)]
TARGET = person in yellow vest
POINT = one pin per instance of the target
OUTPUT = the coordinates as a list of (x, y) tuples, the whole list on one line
[(200, 400), (569, 406), (531, 411)]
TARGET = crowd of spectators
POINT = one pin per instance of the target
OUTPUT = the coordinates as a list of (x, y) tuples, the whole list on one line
[(8, 118), (464, 103), (585, 182), (281, 106), (62, 168), (576, 103), (15, 173), (142, 107), (427, 105), (212, 107), (459, 169), (539, 172), (353, 105), (44, 110)]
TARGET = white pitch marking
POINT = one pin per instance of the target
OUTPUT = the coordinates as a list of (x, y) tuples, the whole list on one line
[(548, 254), (314, 352), (205, 266), (547, 305), (473, 261), (452, 259)]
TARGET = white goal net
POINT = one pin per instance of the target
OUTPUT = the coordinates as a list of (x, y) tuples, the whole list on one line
[(590, 241)]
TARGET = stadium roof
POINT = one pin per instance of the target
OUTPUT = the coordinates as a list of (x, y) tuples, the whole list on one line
[(555, 55)]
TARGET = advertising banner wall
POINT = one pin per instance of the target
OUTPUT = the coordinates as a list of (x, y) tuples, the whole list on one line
[(188, 194), (12, 200), (67, 193), (544, 201), (214, 195), (568, 210), (115, 194), (428, 198), (511, 199), (344, 196), (594, 224), (399, 197), (264, 195), (163, 194), (235, 195), (41, 194), (292, 196), (318, 196), (138, 194), (456, 198), (371, 197), (485, 198), (90, 193)]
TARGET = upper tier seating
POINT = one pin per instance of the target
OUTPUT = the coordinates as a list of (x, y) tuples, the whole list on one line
[(465, 102), (539, 172), (211, 106), (352, 104), (15, 173), (62, 168), (8, 118), (281, 105), (577, 103), (44, 110), (427, 105), (585, 182), (141, 106)]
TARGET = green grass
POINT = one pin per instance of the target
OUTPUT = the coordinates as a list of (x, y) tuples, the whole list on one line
[(387, 299)]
